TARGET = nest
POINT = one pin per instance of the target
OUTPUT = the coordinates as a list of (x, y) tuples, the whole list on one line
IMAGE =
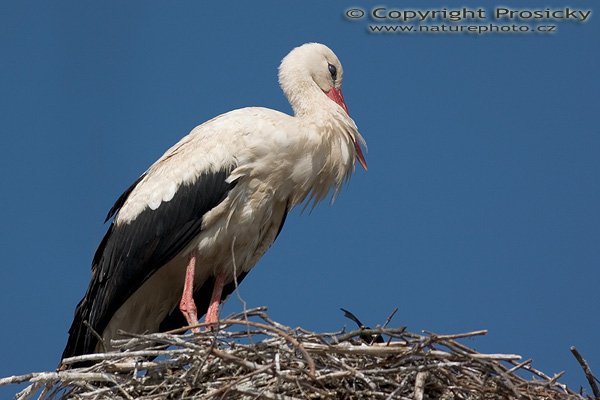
[(253, 357)]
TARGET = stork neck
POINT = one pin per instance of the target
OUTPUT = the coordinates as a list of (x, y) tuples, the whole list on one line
[(313, 104)]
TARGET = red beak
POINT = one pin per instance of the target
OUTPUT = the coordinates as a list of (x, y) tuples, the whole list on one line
[(336, 95)]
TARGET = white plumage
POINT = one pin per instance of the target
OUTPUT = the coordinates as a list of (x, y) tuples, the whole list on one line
[(215, 202)]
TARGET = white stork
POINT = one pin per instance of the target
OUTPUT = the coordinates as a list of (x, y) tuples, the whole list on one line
[(212, 205)]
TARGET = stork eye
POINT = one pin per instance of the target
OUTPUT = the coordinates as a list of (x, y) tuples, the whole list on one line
[(333, 71)]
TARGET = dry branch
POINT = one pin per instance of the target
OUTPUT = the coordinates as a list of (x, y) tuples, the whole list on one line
[(592, 380)]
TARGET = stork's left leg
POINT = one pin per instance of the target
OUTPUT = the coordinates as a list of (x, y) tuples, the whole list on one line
[(212, 315), (187, 304)]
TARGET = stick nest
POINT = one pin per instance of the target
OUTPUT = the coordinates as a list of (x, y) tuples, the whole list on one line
[(253, 357)]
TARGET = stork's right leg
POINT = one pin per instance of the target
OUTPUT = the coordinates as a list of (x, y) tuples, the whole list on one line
[(187, 305)]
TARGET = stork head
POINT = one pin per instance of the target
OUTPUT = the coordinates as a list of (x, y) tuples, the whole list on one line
[(311, 72), (312, 66)]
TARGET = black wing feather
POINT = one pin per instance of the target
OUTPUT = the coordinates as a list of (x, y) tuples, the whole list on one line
[(130, 253)]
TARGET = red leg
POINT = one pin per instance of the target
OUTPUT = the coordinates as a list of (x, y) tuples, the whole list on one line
[(212, 315), (187, 305)]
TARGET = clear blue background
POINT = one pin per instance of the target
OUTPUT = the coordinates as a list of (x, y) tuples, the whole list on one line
[(480, 208)]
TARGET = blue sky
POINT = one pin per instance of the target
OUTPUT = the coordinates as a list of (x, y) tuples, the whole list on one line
[(479, 209)]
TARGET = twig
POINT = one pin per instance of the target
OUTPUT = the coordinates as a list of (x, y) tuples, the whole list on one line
[(420, 384), (113, 356), (347, 348), (48, 377), (505, 357), (435, 336), (520, 365), (235, 280), (96, 334), (389, 318), (587, 371)]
